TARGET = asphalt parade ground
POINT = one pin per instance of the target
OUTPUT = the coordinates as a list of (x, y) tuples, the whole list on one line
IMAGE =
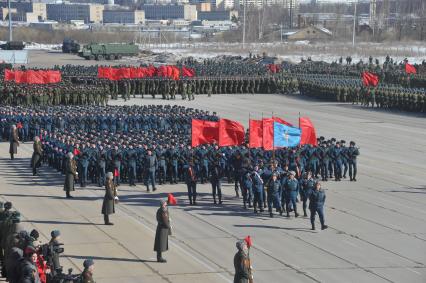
[(377, 225)]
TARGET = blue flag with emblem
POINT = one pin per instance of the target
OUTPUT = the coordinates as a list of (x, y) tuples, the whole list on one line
[(286, 136)]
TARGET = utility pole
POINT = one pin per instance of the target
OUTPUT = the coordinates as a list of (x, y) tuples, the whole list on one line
[(281, 32), (291, 15), (244, 23), (10, 21), (353, 32)]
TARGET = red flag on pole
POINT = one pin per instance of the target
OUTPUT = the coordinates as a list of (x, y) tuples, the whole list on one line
[(268, 133), (204, 132), (171, 200), (309, 135), (410, 69), (370, 79), (230, 133), (256, 133)]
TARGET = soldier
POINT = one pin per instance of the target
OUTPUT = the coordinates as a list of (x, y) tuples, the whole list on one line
[(150, 165), (274, 187), (307, 185), (257, 190), (70, 174), (14, 142), (37, 155), (291, 188), (87, 275), (215, 180), (191, 183), (352, 153), (316, 205), (163, 231), (108, 203)]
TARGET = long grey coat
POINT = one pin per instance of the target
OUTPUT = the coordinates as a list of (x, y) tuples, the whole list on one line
[(70, 174), (14, 142), (163, 231), (108, 203), (37, 154)]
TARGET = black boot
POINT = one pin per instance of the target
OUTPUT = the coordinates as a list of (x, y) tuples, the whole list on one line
[(313, 226), (323, 227)]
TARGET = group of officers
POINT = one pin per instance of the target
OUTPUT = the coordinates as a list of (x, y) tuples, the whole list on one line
[(24, 259)]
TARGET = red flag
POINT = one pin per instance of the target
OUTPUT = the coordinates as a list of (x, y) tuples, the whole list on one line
[(76, 152), (309, 135), (230, 133), (281, 121), (204, 132), (268, 133), (171, 200), (187, 72), (410, 69), (370, 79), (116, 172), (248, 241), (256, 133), (9, 75), (19, 125)]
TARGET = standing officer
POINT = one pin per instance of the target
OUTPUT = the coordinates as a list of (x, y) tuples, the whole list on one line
[(215, 176), (14, 142), (352, 153), (273, 191), (337, 158), (316, 205), (37, 155), (87, 275), (70, 174), (163, 231), (108, 203), (191, 183), (150, 165), (291, 187)]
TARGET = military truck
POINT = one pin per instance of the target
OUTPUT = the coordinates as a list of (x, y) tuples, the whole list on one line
[(70, 46), (109, 51), (12, 45)]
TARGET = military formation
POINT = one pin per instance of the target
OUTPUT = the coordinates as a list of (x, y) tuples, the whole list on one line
[(24, 259), (151, 145)]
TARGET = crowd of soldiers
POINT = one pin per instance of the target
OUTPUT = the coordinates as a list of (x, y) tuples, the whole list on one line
[(24, 259), (150, 145), (64, 93)]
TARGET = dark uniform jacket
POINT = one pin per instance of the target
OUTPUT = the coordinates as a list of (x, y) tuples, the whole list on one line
[(317, 199), (70, 174)]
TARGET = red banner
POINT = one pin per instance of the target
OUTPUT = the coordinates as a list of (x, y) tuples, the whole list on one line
[(32, 76), (188, 72), (370, 79), (255, 133), (114, 74), (230, 133), (309, 135), (204, 132), (410, 69)]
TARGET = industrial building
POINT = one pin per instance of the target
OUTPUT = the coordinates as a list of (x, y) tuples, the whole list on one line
[(89, 13), (170, 12), (124, 16)]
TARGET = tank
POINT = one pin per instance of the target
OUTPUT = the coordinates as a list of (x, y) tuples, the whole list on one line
[(70, 46), (13, 45), (108, 51)]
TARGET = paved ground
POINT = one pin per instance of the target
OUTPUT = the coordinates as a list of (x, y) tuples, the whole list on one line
[(377, 225)]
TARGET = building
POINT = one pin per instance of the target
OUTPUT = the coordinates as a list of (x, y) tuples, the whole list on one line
[(5, 13), (308, 33), (89, 13), (27, 11), (217, 15), (204, 7), (170, 12), (124, 16), (288, 4)]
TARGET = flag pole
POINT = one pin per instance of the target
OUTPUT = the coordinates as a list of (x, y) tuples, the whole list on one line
[(299, 120), (273, 140), (249, 136)]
